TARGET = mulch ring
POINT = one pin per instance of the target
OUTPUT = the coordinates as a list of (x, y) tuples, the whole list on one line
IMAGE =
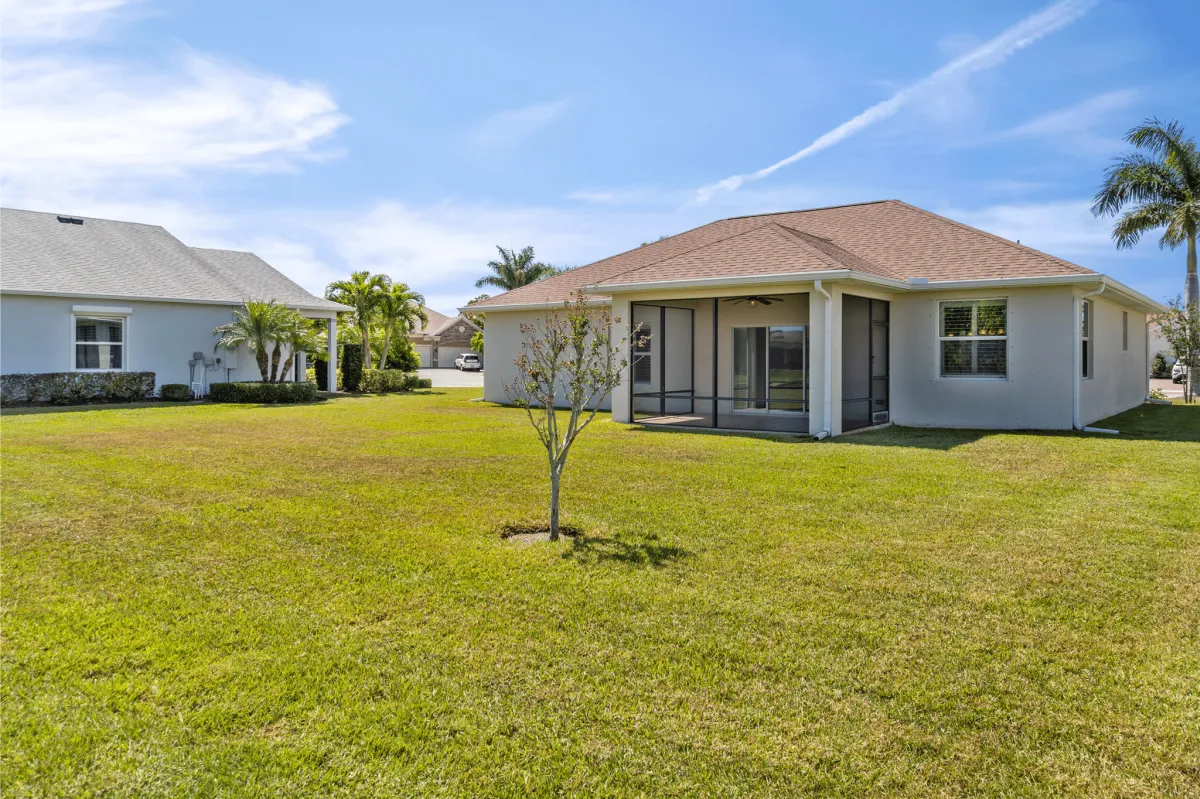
[(532, 533)]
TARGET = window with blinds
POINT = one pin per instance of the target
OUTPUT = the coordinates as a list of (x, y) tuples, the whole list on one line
[(973, 338)]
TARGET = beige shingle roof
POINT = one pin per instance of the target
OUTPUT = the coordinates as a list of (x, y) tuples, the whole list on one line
[(887, 238), (105, 258)]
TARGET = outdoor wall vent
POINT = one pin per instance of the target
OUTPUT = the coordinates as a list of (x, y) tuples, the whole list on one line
[(70, 220), (918, 281)]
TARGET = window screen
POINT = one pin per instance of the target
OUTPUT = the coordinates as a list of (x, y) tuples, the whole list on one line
[(99, 342), (973, 338)]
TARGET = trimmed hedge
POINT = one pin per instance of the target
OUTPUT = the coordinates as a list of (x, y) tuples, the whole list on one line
[(375, 381), (352, 366), (262, 393), (175, 392), (378, 380), (75, 388)]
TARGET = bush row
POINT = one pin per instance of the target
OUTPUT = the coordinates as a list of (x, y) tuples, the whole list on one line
[(377, 380), (175, 392), (73, 388), (262, 392)]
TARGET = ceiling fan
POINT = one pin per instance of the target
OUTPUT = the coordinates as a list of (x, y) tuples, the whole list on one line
[(754, 300)]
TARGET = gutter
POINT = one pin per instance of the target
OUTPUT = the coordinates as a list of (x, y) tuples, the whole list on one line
[(741, 280), (827, 403), (337, 307), (1078, 359)]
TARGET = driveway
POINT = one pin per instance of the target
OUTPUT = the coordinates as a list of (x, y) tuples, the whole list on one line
[(1172, 390), (452, 378)]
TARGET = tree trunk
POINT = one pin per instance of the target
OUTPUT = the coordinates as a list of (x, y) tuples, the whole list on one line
[(264, 367), (275, 354), (1191, 289), (555, 480), (366, 358), (287, 366), (387, 339)]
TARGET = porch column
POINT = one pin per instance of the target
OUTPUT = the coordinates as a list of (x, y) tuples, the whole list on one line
[(301, 367), (621, 396), (333, 363)]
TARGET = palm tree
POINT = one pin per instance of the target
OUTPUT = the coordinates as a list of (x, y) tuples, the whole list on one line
[(400, 306), (299, 335), (258, 326), (1163, 189), (513, 271), (362, 292)]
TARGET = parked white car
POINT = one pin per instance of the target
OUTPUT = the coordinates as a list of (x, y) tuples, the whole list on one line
[(468, 362), (1178, 372)]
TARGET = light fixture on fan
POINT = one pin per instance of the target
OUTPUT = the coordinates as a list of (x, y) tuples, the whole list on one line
[(754, 300)]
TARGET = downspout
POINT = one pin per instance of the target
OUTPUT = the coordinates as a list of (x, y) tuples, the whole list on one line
[(1075, 422), (827, 404)]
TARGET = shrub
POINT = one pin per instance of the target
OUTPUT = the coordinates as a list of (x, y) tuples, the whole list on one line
[(402, 356), (352, 366), (378, 380), (321, 373), (175, 392), (73, 388), (423, 382), (262, 393), (1158, 367)]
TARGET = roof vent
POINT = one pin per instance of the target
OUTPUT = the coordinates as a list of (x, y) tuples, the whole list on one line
[(70, 220)]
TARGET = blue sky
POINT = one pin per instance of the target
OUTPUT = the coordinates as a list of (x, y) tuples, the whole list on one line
[(412, 138)]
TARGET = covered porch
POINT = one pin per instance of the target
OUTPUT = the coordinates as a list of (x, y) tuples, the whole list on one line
[(756, 358)]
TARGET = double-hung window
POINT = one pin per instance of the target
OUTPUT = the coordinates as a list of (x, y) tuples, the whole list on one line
[(973, 338), (643, 371), (99, 343)]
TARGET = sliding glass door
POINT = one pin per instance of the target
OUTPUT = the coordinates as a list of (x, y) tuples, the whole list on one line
[(770, 369)]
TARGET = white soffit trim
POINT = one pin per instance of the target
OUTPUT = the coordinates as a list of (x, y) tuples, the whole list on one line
[(781, 277), (102, 309), (1046, 280)]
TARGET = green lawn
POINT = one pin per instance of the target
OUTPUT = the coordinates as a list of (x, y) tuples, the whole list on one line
[(313, 601)]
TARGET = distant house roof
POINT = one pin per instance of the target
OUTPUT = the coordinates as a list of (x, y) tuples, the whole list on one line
[(39, 254), (887, 239), (439, 323)]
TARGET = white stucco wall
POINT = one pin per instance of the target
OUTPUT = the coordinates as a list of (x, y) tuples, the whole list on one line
[(1118, 373), (1036, 394), (502, 343), (37, 335)]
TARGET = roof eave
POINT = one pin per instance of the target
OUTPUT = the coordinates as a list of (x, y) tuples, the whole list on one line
[(329, 307)]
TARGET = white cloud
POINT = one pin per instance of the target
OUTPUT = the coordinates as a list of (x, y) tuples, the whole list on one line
[(89, 122), (1064, 228), (1077, 119), (516, 124), (50, 20), (988, 55)]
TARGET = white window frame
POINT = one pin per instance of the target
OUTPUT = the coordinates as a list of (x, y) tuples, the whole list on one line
[(974, 318), (1087, 355), (99, 312)]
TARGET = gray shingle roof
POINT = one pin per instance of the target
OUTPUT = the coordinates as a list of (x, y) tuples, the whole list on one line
[(104, 258)]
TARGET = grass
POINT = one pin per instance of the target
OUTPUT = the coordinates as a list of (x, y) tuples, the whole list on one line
[(313, 601)]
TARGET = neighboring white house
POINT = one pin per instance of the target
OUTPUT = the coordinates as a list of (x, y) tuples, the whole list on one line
[(836, 319), (442, 339), (83, 294)]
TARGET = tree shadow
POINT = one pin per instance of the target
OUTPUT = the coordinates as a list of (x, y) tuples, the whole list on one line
[(587, 550)]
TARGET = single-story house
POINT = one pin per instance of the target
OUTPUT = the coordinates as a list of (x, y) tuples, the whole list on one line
[(836, 319), (93, 295), (442, 339)]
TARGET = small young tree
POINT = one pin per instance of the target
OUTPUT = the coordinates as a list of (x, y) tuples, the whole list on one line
[(477, 342), (569, 357), (1180, 326)]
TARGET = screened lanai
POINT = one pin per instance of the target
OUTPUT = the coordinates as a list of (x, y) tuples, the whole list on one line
[(732, 363)]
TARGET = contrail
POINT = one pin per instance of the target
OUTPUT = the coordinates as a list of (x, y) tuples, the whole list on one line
[(988, 55)]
